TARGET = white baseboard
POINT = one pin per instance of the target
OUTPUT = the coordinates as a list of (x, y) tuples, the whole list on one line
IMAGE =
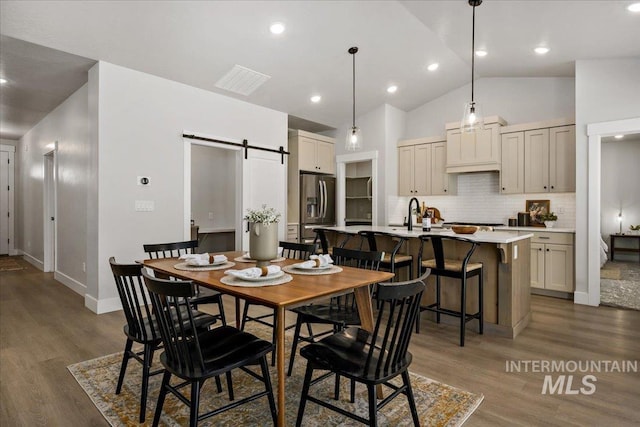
[(582, 298), (106, 305), (33, 261), (14, 252), (70, 283)]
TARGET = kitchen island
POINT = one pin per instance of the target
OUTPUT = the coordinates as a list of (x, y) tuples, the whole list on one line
[(506, 261)]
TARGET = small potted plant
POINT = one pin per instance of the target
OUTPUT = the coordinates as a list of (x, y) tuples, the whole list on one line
[(263, 240), (549, 219), (635, 229)]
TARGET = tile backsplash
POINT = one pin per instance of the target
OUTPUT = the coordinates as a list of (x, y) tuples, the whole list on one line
[(479, 200)]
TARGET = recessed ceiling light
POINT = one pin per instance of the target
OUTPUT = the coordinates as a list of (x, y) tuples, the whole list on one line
[(481, 53), (316, 98), (541, 50), (433, 67), (392, 89), (3, 81), (277, 28), (619, 136), (634, 7)]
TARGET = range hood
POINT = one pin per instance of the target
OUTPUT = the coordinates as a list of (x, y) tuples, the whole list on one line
[(477, 151)]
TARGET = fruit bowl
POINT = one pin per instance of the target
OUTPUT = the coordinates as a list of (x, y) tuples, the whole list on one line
[(464, 229)]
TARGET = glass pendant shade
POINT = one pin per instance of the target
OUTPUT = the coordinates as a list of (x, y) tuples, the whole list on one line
[(472, 119), (353, 142)]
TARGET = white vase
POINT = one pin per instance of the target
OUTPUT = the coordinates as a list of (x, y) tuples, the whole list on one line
[(549, 224), (263, 242)]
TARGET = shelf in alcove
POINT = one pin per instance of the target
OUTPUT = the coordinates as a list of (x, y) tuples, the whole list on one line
[(357, 197)]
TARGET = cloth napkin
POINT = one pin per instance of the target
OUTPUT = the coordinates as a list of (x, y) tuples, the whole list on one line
[(254, 272), (318, 261), (203, 259)]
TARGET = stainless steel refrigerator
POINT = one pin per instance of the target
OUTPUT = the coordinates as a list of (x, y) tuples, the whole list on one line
[(317, 204)]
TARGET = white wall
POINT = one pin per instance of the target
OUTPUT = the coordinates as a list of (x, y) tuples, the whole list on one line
[(619, 188), (606, 90), (140, 123), (517, 100), (213, 178), (67, 125)]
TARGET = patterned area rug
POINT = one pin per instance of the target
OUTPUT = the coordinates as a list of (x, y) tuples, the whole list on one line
[(621, 290), (9, 264), (438, 404)]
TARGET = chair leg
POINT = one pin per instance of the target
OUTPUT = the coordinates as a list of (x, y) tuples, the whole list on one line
[(223, 318), (123, 365), (294, 345), (147, 358), (305, 392), (373, 405), (352, 397), (218, 384), (480, 301), (269, 388), (410, 398), (245, 312), (438, 299), (163, 393), (195, 403), (463, 309), (230, 385), (273, 337), (336, 388)]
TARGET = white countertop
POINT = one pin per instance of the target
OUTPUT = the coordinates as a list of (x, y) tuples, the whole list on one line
[(480, 236), (538, 229)]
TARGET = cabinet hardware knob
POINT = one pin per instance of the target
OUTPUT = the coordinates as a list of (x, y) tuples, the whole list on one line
[(547, 250), (502, 188), (445, 190), (552, 187), (545, 187), (540, 249)]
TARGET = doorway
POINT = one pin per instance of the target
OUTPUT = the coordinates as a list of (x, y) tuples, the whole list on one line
[(357, 178), (50, 211), (7, 213), (213, 185)]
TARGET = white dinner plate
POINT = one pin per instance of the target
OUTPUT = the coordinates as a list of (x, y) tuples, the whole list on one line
[(208, 265), (261, 278), (301, 266)]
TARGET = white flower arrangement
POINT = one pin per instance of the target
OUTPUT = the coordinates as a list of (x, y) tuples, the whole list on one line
[(265, 215)]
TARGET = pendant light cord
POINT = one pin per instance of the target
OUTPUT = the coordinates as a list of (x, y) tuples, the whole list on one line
[(473, 49), (354, 88)]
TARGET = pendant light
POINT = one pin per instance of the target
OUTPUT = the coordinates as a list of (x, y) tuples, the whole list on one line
[(472, 119), (353, 141)]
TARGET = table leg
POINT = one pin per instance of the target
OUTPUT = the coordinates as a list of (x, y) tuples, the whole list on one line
[(280, 313), (365, 309), (238, 312)]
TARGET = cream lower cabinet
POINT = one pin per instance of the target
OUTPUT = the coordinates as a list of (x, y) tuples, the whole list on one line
[(552, 258), (422, 168)]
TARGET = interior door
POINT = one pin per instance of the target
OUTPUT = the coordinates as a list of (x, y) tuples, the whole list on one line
[(4, 203)]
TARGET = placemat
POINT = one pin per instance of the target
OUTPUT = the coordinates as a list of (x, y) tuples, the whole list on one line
[(243, 259), (186, 267), (291, 269), (234, 281)]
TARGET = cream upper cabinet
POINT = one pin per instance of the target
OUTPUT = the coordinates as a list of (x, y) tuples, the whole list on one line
[(315, 153), (562, 159), (552, 259), (421, 168), (512, 164), (476, 151), (549, 157), (536, 167)]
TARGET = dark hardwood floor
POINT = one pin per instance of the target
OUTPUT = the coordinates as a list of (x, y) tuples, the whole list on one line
[(44, 327)]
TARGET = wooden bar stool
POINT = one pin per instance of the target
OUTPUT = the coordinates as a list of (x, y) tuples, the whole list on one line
[(457, 269)]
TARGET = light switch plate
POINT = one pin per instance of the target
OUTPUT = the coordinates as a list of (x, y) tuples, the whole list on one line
[(144, 205), (143, 180)]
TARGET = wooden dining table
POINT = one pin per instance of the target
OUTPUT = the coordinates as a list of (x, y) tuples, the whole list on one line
[(303, 289)]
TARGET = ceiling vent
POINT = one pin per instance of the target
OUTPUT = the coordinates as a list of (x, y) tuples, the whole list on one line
[(242, 80)]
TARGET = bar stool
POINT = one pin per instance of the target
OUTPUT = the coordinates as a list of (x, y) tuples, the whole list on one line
[(392, 260), (321, 240), (457, 269)]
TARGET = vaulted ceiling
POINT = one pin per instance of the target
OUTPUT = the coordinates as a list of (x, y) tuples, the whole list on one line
[(47, 46)]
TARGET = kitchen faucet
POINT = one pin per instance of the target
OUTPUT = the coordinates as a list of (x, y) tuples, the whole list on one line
[(410, 216)]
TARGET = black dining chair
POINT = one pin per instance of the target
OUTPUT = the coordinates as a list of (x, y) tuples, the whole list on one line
[(290, 250), (140, 327), (370, 358), (340, 311), (461, 269), (195, 356), (176, 249)]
